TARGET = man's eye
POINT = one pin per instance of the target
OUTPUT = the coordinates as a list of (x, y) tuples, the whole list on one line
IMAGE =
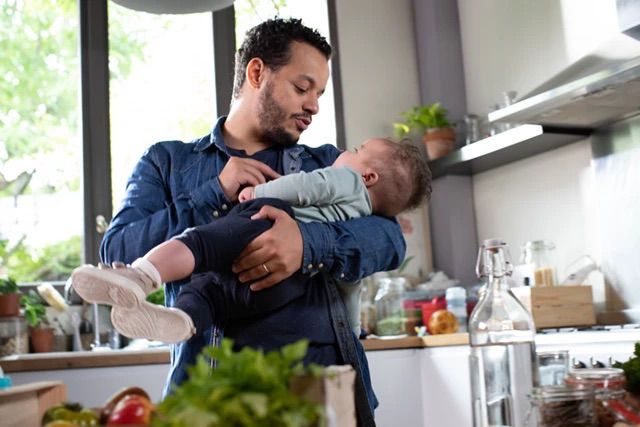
[(300, 89)]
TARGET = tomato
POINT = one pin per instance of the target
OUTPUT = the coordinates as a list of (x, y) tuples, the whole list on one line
[(131, 409)]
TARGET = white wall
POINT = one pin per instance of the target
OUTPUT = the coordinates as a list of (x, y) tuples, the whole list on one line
[(518, 45), (379, 71)]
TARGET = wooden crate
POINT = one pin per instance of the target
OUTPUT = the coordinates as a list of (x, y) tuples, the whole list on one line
[(24, 405), (558, 306)]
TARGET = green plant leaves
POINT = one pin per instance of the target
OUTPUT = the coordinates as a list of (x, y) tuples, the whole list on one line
[(34, 310), (248, 388), (421, 118), (8, 286)]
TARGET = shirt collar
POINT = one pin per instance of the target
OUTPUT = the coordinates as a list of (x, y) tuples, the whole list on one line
[(215, 138)]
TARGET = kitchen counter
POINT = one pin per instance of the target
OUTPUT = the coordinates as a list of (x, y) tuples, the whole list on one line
[(91, 359)]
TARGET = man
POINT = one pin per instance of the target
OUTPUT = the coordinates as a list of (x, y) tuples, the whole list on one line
[(281, 71)]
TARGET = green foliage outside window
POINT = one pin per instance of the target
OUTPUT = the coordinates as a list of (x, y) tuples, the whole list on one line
[(40, 112)]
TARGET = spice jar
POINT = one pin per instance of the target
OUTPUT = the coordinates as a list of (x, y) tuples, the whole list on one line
[(391, 318), (561, 406), (537, 256), (609, 394), (14, 338)]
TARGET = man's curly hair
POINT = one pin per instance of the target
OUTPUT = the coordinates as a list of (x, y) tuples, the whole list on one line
[(271, 42)]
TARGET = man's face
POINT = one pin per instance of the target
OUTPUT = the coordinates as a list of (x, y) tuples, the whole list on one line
[(289, 97), (362, 159)]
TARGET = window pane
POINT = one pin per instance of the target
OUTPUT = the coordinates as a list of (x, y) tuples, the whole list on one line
[(161, 83), (41, 222), (313, 14)]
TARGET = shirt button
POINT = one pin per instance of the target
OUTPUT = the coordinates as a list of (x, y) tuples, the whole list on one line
[(309, 267), (320, 266), (224, 207), (216, 214)]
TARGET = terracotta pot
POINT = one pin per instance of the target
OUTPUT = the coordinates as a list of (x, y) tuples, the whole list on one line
[(439, 142), (42, 340), (9, 305)]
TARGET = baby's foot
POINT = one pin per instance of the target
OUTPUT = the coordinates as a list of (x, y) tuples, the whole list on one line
[(120, 285), (154, 322)]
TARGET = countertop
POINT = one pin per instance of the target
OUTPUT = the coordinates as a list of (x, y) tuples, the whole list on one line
[(100, 359)]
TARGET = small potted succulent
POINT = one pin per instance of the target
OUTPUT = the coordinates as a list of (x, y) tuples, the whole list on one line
[(9, 297), (36, 314), (432, 122)]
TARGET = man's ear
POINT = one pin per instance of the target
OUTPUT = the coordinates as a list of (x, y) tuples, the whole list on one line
[(370, 177), (255, 72)]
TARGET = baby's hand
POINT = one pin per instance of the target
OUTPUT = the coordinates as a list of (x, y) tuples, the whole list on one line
[(247, 193)]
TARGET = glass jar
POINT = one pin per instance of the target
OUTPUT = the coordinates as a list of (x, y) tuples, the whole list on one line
[(561, 406), (541, 269), (553, 367), (609, 394), (14, 337), (391, 318)]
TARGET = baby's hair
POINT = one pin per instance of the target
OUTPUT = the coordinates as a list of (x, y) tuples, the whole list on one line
[(404, 178)]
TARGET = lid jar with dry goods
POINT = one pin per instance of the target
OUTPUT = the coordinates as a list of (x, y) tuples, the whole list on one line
[(561, 406), (537, 256), (611, 406), (14, 337)]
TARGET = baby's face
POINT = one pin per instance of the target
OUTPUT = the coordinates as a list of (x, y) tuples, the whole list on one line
[(362, 158)]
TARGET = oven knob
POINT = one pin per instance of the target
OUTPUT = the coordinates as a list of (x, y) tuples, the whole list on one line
[(579, 365)]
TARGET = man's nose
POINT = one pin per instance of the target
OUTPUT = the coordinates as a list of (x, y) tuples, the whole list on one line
[(311, 104)]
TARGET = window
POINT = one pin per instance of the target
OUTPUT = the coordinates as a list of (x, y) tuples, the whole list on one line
[(313, 14), (161, 83), (40, 146)]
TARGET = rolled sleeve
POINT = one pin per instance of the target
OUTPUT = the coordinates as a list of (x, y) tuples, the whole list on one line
[(354, 249)]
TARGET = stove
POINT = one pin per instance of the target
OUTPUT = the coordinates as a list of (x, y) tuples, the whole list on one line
[(591, 347)]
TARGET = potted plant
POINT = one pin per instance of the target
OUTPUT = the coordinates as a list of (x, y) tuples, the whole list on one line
[(9, 298), (432, 122), (40, 331)]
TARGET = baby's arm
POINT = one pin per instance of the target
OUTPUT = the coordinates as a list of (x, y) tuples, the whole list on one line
[(319, 187), (247, 193)]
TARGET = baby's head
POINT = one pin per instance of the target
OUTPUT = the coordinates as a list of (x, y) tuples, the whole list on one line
[(395, 173)]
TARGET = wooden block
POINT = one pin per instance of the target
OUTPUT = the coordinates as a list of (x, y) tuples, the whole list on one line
[(558, 306), (24, 405), (335, 391)]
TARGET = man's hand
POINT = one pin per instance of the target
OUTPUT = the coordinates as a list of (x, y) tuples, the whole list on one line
[(247, 193), (240, 172), (274, 255)]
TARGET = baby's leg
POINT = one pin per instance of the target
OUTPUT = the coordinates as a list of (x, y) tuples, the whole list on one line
[(215, 246), (172, 259)]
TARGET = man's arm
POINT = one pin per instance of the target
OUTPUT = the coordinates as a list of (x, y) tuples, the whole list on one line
[(354, 249), (348, 250), (150, 214)]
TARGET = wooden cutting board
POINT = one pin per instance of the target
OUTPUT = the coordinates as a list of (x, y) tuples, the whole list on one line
[(415, 342)]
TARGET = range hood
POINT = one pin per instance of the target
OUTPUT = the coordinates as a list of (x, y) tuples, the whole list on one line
[(599, 89)]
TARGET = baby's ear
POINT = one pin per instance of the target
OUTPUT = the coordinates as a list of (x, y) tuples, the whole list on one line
[(370, 177)]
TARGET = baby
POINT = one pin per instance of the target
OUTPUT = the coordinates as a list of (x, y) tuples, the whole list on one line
[(381, 177)]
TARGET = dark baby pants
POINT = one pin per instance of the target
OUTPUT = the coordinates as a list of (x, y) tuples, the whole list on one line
[(215, 246)]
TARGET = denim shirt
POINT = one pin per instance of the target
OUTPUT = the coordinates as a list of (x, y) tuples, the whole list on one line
[(175, 185)]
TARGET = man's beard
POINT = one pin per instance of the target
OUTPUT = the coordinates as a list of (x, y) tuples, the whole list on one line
[(272, 116)]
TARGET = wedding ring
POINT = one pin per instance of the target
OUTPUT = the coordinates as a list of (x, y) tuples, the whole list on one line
[(265, 268)]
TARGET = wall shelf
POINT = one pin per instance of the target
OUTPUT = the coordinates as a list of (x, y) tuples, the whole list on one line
[(514, 144)]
